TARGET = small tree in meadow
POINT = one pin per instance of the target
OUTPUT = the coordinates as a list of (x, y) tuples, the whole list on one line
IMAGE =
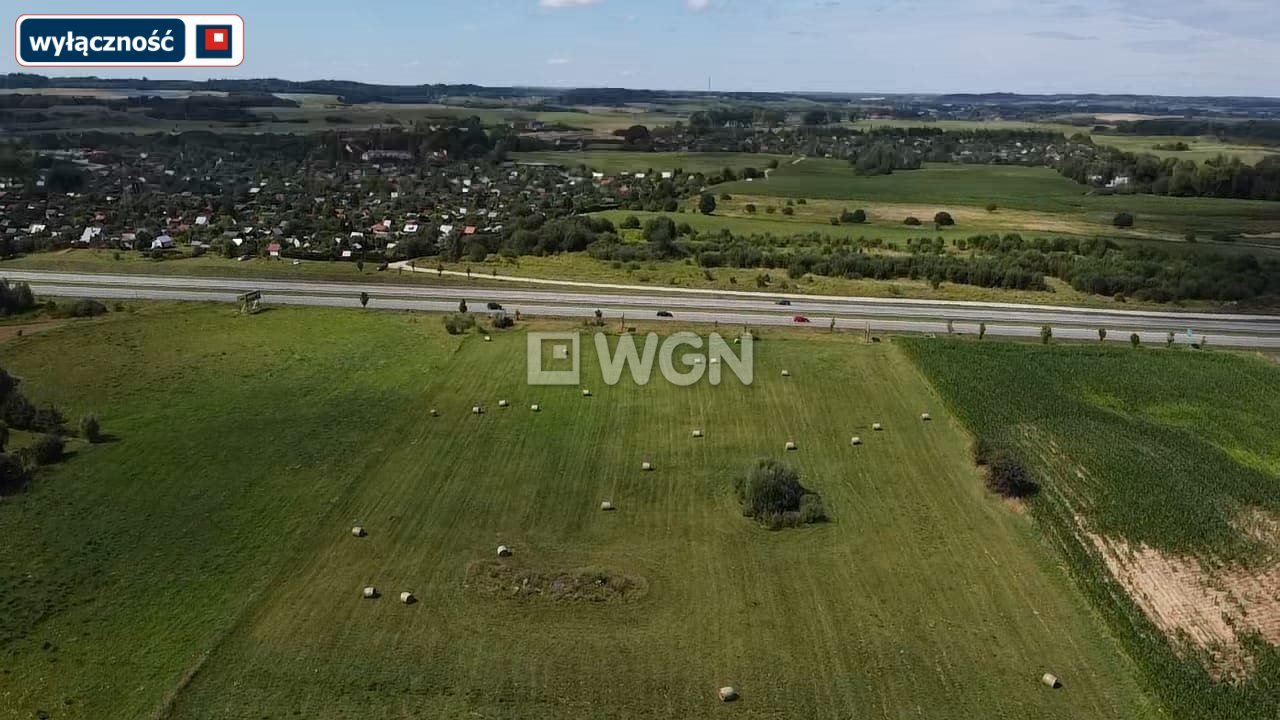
[(982, 330), (90, 430), (1134, 340), (364, 299), (1102, 334), (462, 306), (1169, 340), (1046, 334)]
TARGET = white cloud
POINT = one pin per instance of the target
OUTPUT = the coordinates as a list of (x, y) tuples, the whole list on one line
[(566, 3), (697, 5), (558, 61)]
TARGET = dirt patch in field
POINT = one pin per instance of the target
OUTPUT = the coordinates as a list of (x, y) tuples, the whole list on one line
[(1208, 610), (595, 585), (9, 332)]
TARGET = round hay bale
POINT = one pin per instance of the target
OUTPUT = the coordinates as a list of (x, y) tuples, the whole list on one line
[(697, 361), (358, 531), (586, 392), (503, 403), (786, 373), (855, 440), (877, 427), (535, 407), (697, 433), (925, 417), (370, 593), (487, 338), (728, 694), (407, 598), (606, 506), (504, 551), (435, 412), (715, 361), (1050, 680), (476, 409), (646, 466), (791, 445)]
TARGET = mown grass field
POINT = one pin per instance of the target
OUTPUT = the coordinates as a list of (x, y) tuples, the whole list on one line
[(201, 565), (613, 162), (1040, 190), (1169, 451)]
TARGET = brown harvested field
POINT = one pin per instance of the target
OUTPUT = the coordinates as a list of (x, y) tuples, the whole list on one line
[(1208, 610)]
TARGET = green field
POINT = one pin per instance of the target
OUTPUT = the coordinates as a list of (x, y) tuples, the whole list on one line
[(1040, 190), (1169, 454), (201, 565), (612, 162)]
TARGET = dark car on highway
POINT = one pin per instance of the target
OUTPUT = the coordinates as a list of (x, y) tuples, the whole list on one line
[(784, 302), (665, 313)]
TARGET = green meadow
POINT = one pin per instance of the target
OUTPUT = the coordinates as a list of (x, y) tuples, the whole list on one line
[(201, 565)]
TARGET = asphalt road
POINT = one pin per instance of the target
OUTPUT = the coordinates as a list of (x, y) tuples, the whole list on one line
[(880, 314)]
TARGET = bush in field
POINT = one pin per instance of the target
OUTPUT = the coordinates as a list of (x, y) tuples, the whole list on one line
[(911, 220), (459, 323), (772, 494), (788, 211), (943, 219), (1123, 220), (983, 451), (13, 475), (630, 222), (1007, 477), (750, 208), (90, 429), (857, 217), (48, 449), (86, 307)]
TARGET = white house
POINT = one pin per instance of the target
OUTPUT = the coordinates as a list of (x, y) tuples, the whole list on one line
[(164, 242)]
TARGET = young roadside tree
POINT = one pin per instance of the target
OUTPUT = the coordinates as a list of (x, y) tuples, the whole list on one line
[(462, 306), (4, 436), (982, 330), (1134, 340), (951, 327), (1102, 334), (1169, 340), (1046, 334), (359, 266), (364, 299), (707, 204)]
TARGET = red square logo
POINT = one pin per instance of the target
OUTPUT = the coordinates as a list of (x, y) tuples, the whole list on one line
[(217, 39)]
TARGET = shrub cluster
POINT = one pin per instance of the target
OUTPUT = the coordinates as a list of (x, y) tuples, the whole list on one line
[(772, 494), (1005, 473), (459, 323)]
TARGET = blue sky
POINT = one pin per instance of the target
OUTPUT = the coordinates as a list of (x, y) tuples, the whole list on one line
[(1209, 47)]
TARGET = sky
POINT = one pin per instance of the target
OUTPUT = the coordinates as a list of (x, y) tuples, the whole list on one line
[(1161, 47)]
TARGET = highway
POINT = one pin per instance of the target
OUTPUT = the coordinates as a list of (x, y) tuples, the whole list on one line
[(881, 315)]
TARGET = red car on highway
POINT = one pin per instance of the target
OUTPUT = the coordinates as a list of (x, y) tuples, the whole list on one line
[(800, 319)]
